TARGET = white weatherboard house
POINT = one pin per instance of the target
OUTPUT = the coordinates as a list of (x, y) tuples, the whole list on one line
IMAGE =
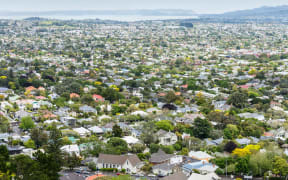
[(131, 163), (166, 138), (82, 131), (74, 148)]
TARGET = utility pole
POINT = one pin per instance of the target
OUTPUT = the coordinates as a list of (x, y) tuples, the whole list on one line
[(226, 167)]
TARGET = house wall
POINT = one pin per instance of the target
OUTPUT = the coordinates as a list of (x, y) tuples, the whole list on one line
[(163, 140), (129, 167), (161, 172), (176, 160)]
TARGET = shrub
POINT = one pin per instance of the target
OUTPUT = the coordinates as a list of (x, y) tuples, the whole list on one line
[(219, 171), (109, 169)]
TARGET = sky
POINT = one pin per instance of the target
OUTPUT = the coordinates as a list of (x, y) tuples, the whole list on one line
[(199, 6)]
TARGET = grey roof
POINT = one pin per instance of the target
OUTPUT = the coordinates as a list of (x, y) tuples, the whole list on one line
[(160, 156), (86, 108), (3, 89), (178, 176), (243, 141), (164, 166)]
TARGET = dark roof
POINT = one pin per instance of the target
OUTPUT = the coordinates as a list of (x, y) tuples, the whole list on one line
[(160, 156), (178, 176), (118, 159), (164, 166)]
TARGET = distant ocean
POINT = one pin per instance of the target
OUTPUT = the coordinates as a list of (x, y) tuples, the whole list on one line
[(102, 17)]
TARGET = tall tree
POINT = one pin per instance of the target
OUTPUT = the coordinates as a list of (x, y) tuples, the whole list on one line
[(116, 131), (202, 128), (238, 99), (39, 137)]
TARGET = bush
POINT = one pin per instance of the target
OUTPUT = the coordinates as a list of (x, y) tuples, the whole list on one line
[(219, 171), (109, 169), (196, 171), (168, 149), (92, 166)]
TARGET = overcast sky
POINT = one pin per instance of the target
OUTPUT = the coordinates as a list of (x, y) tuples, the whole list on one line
[(199, 6)]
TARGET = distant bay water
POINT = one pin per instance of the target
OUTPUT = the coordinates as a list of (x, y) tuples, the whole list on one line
[(127, 18)]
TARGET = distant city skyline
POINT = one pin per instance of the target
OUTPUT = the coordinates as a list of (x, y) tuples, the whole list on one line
[(198, 6)]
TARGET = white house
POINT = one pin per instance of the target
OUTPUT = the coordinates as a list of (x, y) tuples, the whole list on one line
[(131, 163), (166, 138), (74, 148), (82, 131), (130, 140), (96, 130)]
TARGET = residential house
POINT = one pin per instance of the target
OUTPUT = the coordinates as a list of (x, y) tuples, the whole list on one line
[(131, 163), (87, 109), (68, 121), (200, 155), (70, 149), (83, 132), (166, 138)]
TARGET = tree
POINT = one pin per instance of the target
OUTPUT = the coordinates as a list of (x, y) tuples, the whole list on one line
[(260, 163), (27, 169), (171, 97), (66, 141), (116, 131), (241, 152), (51, 160), (137, 148), (184, 152), (242, 165), (87, 99), (27, 123), (29, 144), (221, 118), (71, 160), (4, 158), (4, 124), (154, 148), (116, 145), (168, 149), (202, 128), (238, 99), (165, 125), (39, 137), (230, 146), (280, 166), (148, 129), (231, 131)]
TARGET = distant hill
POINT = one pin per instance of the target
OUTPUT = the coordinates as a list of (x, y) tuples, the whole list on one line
[(155, 12), (278, 11)]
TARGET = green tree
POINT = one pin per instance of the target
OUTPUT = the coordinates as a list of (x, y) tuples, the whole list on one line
[(39, 137), (280, 166), (71, 160), (116, 145), (165, 125), (231, 131), (27, 123), (242, 165), (51, 160), (116, 131), (171, 97), (202, 128), (29, 144), (27, 169), (148, 129), (238, 99), (154, 148), (4, 158)]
